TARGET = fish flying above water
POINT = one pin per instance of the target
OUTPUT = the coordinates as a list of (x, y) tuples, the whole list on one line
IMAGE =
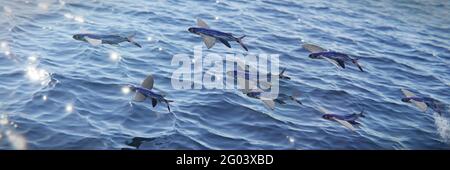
[(146, 91), (249, 87), (96, 40), (243, 73), (210, 36), (424, 102), (245, 67), (282, 98), (246, 76), (336, 58), (258, 94), (270, 100), (348, 120)]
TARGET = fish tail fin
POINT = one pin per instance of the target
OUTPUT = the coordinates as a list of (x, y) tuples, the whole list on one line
[(131, 40), (355, 61), (139, 97), (239, 40), (282, 76), (167, 102)]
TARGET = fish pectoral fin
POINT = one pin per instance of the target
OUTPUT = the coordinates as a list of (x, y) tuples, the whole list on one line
[(323, 110), (148, 82), (313, 48), (334, 62), (407, 93), (341, 63), (202, 23), (268, 96), (209, 41), (421, 105), (269, 104), (93, 42), (225, 42), (345, 123), (359, 66), (246, 85), (154, 102), (139, 97)]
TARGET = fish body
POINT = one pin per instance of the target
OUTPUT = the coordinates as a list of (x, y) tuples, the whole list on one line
[(145, 90), (255, 95), (281, 98), (249, 77), (434, 104), (332, 55), (337, 58), (351, 118), (348, 120), (96, 39), (211, 35)]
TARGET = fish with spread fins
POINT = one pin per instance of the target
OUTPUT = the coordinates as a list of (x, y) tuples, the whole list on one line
[(336, 58), (210, 36), (96, 39)]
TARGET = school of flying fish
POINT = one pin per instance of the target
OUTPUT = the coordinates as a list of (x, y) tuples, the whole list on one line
[(246, 79), (248, 86)]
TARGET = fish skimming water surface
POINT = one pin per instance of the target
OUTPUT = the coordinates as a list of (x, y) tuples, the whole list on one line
[(96, 39)]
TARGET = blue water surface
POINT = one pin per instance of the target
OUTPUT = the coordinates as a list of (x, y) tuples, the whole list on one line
[(59, 93)]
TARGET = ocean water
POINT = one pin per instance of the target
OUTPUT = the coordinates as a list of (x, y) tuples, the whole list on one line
[(59, 93)]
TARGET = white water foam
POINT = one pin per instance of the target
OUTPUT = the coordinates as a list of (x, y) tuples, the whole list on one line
[(443, 126)]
